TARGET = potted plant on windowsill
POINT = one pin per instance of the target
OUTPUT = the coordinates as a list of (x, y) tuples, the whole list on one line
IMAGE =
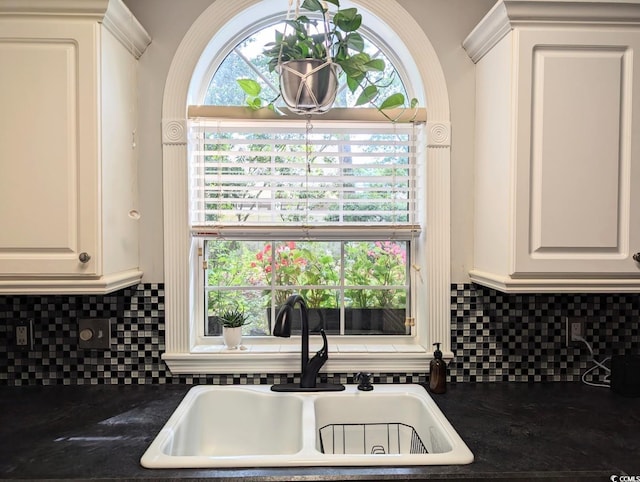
[(232, 321), (309, 62)]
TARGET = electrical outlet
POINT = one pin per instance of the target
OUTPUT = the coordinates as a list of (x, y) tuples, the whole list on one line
[(23, 335), (575, 330)]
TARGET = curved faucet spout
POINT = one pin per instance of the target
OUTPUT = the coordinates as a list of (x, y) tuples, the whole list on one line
[(284, 319)]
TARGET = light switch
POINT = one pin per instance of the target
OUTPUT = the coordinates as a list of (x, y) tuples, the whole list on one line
[(94, 333)]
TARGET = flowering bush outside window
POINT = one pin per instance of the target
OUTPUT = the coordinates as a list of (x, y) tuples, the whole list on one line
[(257, 276), (282, 267), (379, 264), (307, 267)]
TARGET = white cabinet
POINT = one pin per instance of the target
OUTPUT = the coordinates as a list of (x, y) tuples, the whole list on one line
[(557, 158), (68, 164)]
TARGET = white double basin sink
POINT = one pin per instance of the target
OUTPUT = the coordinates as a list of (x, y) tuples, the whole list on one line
[(251, 426)]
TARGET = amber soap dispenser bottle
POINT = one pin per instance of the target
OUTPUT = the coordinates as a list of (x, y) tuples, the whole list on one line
[(437, 372)]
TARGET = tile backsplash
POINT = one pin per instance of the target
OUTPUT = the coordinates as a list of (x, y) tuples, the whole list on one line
[(495, 337)]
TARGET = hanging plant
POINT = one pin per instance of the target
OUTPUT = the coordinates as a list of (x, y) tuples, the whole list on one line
[(329, 41)]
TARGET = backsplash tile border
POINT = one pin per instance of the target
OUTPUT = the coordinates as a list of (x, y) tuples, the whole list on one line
[(496, 337)]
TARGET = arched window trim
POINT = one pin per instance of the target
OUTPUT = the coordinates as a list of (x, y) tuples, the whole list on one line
[(215, 27), (216, 52)]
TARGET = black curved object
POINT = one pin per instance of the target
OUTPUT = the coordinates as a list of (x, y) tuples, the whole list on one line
[(309, 368), (308, 378), (282, 326)]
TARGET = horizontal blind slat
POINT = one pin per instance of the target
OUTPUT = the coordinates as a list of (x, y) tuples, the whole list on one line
[(301, 232)]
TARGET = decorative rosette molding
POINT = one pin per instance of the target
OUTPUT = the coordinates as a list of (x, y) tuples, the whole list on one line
[(438, 134), (174, 131)]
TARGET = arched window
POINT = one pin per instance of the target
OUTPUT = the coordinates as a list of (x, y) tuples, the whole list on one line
[(246, 60), (359, 182)]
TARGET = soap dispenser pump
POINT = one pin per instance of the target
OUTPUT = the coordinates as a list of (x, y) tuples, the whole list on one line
[(437, 372)]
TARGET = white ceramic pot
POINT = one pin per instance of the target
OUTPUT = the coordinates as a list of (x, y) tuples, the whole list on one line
[(232, 337)]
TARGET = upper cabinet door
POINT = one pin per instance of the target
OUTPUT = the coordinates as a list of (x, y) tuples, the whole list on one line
[(557, 157), (577, 160), (48, 149), (68, 163)]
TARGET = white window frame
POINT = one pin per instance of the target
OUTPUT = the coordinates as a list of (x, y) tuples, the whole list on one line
[(216, 27), (211, 118)]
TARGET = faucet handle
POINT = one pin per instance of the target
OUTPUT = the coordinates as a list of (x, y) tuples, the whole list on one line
[(364, 380)]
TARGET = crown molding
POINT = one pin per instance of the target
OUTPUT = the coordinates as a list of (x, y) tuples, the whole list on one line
[(113, 14), (91, 9), (509, 14), (119, 20)]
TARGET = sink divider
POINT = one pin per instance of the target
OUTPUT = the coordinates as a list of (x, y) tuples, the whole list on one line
[(309, 425)]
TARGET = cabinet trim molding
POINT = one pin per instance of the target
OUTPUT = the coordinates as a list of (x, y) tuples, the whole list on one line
[(113, 14), (508, 14), (507, 284), (119, 20), (71, 286), (91, 9)]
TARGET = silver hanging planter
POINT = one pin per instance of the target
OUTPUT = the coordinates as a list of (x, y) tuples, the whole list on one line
[(308, 86)]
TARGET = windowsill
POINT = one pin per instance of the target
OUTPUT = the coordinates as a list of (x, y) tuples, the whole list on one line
[(285, 358), (290, 348)]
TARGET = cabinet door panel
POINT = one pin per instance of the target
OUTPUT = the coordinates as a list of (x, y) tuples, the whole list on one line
[(575, 206), (41, 177)]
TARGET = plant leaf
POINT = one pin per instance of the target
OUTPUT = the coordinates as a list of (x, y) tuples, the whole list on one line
[(348, 19), (355, 65), (255, 103), (376, 64), (368, 94), (304, 49), (319, 52), (300, 23), (414, 103), (250, 87), (312, 5), (355, 41), (394, 100), (273, 64), (353, 84)]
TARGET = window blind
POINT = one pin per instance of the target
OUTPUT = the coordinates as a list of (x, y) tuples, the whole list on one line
[(302, 179)]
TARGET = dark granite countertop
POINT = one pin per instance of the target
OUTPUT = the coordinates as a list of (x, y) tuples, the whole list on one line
[(565, 431)]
